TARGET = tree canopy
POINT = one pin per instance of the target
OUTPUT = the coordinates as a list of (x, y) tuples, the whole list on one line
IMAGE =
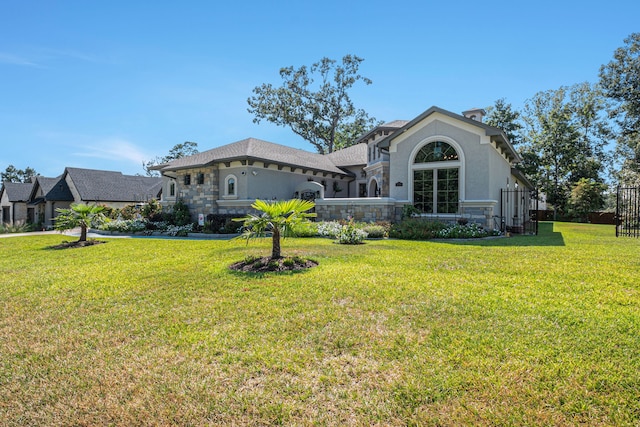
[(178, 151), (620, 80), (504, 117), (565, 140), (315, 103), (13, 174)]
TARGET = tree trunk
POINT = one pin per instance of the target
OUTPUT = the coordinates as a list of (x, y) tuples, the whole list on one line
[(275, 250), (83, 233)]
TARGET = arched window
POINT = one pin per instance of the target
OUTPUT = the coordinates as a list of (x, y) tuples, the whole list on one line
[(231, 186), (436, 151), (436, 178)]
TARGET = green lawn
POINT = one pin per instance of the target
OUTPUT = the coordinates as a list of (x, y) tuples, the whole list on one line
[(522, 331)]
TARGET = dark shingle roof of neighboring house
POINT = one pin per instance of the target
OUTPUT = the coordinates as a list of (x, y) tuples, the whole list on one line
[(497, 135), (54, 188), (17, 191), (99, 185), (351, 156), (252, 149)]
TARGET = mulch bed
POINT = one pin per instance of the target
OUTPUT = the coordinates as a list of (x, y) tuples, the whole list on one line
[(266, 264), (77, 244)]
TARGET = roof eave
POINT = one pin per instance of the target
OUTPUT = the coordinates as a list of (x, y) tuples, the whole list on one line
[(248, 159)]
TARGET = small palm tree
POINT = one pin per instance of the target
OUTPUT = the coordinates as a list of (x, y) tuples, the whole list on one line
[(278, 219), (79, 215)]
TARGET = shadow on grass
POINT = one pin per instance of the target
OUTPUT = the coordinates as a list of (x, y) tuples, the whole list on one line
[(546, 237)]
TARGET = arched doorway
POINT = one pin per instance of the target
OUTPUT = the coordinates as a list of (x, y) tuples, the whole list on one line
[(374, 189)]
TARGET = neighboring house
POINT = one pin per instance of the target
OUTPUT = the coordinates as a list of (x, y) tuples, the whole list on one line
[(14, 197), (444, 164), (110, 188), (37, 202), (47, 195)]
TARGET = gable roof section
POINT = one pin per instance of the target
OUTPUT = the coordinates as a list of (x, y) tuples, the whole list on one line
[(109, 186), (252, 149), (382, 129), (497, 136), (17, 191), (55, 189)]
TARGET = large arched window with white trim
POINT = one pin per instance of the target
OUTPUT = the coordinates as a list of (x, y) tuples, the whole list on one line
[(436, 178)]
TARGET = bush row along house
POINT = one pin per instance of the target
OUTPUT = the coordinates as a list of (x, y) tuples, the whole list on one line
[(36, 202), (443, 164)]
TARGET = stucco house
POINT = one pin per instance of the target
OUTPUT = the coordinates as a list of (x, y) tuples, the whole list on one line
[(444, 164), (36, 202)]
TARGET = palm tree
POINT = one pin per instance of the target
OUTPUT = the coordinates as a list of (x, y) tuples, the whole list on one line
[(79, 215), (278, 219)]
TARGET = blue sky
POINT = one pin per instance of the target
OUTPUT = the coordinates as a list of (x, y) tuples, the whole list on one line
[(106, 85)]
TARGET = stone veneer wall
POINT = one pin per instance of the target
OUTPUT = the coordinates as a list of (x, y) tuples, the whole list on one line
[(369, 209), (201, 198)]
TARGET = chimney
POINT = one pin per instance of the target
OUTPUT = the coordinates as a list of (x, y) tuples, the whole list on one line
[(476, 114)]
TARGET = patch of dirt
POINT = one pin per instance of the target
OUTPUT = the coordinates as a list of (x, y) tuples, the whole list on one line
[(77, 244), (266, 264)]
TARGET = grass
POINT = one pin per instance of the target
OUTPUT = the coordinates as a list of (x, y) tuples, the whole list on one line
[(520, 331)]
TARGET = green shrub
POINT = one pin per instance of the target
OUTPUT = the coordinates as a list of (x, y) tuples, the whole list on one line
[(416, 229), (466, 231), (374, 231), (220, 224), (23, 228), (350, 234), (180, 213), (305, 229)]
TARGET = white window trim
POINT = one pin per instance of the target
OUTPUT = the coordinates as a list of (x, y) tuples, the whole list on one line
[(460, 164), (175, 189), (226, 194)]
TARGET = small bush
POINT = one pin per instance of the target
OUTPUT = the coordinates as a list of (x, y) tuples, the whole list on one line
[(351, 235), (222, 224), (125, 225), (416, 229), (374, 231), (181, 214), (466, 231), (179, 230), (23, 228), (305, 229)]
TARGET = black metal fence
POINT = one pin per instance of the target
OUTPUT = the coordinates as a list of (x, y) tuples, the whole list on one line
[(518, 211), (628, 212)]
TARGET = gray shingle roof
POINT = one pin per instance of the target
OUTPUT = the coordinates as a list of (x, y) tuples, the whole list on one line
[(355, 155), (259, 150), (54, 188), (99, 185), (18, 191)]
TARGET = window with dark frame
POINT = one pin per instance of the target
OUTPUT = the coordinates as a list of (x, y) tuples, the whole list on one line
[(187, 179), (200, 178)]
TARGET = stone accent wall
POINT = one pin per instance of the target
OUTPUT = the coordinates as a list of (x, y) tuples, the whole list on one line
[(201, 198), (366, 209)]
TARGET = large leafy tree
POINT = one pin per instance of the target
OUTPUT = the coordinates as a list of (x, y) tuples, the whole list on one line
[(587, 196), (503, 116), (620, 80), (277, 219), (79, 215), (552, 139), (13, 174), (315, 103), (178, 151), (565, 140)]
